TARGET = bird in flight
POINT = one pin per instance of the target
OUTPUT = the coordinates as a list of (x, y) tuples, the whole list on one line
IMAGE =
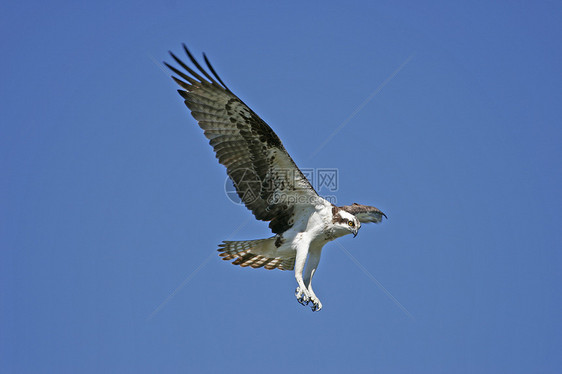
[(268, 182)]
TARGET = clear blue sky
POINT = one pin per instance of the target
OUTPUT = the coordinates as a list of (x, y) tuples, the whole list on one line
[(111, 197)]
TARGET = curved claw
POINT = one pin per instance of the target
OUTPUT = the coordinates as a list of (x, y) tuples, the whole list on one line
[(301, 296), (303, 300), (316, 305)]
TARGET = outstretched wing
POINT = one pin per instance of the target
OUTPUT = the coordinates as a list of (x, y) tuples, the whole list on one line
[(364, 213), (266, 178)]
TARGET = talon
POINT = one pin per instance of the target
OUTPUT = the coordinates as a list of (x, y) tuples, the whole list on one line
[(301, 296), (317, 305), (303, 300)]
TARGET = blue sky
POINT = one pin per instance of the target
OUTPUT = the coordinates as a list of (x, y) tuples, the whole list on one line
[(112, 202)]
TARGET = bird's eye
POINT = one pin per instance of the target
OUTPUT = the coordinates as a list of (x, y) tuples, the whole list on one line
[(351, 224)]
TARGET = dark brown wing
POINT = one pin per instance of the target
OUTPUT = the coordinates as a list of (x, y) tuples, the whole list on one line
[(266, 178)]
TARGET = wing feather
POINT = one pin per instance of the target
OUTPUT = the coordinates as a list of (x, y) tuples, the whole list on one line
[(364, 213), (265, 176)]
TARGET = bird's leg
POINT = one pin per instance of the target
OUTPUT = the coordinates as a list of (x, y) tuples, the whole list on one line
[(312, 264), (301, 292)]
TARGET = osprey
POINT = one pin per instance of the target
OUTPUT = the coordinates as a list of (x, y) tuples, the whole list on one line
[(268, 182)]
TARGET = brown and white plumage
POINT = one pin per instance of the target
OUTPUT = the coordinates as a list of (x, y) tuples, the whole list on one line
[(267, 181), (364, 213), (256, 254), (245, 144)]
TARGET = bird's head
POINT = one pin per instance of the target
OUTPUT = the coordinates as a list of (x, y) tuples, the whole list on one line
[(345, 223)]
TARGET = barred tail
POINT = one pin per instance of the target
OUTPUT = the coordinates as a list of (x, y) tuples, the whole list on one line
[(255, 253)]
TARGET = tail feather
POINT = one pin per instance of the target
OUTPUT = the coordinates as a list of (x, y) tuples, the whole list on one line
[(256, 254)]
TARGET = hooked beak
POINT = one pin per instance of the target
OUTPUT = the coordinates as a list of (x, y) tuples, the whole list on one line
[(354, 232)]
